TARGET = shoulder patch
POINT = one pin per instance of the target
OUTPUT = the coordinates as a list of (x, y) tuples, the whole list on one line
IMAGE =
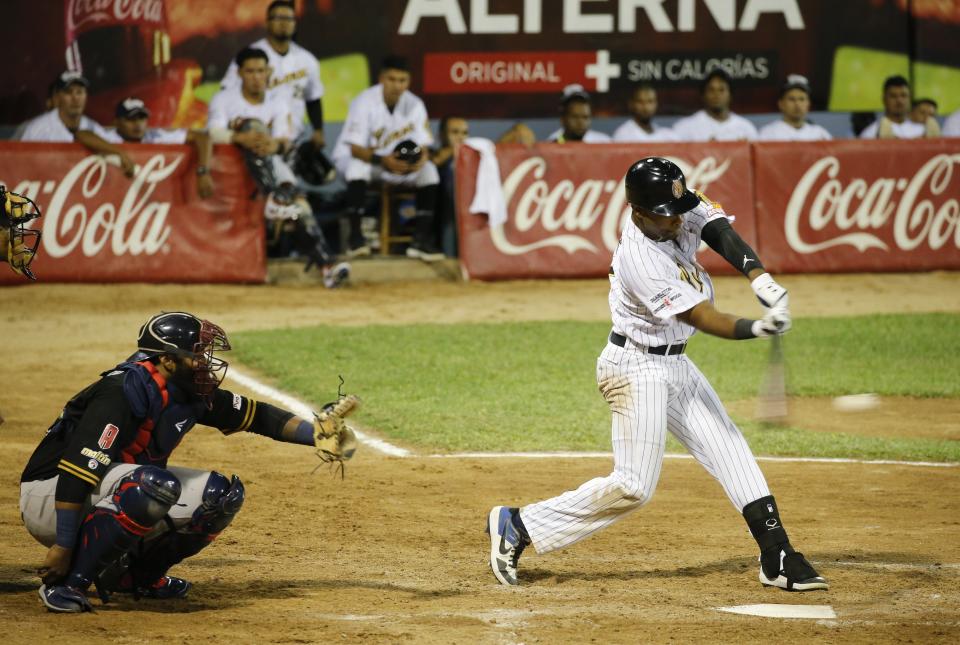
[(237, 402)]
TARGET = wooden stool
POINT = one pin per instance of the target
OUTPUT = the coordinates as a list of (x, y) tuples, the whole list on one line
[(388, 194)]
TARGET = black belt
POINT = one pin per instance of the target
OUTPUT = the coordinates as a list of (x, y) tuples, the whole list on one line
[(662, 350)]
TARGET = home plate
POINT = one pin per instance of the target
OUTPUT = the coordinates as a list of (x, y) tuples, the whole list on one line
[(782, 611)]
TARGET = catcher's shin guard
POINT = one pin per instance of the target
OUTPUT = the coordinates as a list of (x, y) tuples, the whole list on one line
[(142, 499), (221, 500)]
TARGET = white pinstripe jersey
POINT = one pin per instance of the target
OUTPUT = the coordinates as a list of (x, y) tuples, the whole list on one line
[(651, 282)]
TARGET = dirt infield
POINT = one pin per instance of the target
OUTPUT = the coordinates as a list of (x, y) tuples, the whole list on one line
[(396, 552)]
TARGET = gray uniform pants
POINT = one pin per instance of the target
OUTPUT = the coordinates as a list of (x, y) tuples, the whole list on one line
[(40, 518)]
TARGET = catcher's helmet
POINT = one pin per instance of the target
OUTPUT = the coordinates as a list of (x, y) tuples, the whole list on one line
[(657, 185), (407, 150), (186, 336)]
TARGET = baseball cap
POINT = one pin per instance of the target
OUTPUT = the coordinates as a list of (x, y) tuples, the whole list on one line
[(574, 91), (68, 78), (795, 82), (131, 107)]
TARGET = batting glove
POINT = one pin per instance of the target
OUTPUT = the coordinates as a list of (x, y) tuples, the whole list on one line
[(775, 323), (769, 293)]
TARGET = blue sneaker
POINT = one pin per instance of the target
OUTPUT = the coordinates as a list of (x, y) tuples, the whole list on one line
[(64, 599), (506, 544)]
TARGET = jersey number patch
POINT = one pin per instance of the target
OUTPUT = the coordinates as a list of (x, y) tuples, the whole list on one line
[(108, 436)]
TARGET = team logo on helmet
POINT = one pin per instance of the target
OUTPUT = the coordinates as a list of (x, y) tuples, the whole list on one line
[(677, 188)]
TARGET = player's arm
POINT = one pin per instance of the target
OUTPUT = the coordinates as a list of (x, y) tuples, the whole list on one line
[(98, 145), (722, 238), (705, 317), (94, 444), (235, 413), (315, 114), (202, 142)]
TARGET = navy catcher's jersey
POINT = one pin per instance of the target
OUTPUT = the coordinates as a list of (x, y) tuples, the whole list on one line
[(131, 415)]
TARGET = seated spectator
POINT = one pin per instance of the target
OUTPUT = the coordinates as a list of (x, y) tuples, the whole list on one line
[(951, 127), (895, 122), (794, 105), (643, 107), (261, 127), (380, 119), (519, 133), (715, 122), (66, 117), (575, 118), (454, 131), (923, 110), (131, 127)]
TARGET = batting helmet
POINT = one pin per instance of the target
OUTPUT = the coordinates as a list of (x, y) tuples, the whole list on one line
[(186, 336), (656, 184), (407, 150)]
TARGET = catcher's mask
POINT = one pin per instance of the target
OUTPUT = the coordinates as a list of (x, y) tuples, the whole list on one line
[(22, 242), (184, 335)]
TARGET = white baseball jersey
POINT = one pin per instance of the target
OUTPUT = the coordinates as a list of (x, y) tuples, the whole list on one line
[(48, 127), (153, 135), (906, 130), (780, 130), (629, 132), (229, 107), (294, 79), (651, 394), (592, 136), (700, 126), (951, 127), (371, 124)]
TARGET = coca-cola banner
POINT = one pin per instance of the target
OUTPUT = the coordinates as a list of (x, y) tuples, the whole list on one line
[(566, 205), (858, 205), (100, 226)]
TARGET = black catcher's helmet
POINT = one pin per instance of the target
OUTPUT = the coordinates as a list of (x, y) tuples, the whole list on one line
[(407, 150), (656, 184), (16, 212), (186, 336)]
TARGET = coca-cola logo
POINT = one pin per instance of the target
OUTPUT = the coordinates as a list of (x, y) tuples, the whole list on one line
[(822, 202), (567, 211), (137, 226), (84, 13)]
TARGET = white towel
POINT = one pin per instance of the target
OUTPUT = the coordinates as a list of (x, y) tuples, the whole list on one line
[(489, 196)]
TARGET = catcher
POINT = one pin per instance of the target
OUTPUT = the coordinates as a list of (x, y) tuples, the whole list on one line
[(98, 492), (18, 244)]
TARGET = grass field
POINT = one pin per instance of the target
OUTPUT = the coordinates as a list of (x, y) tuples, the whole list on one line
[(506, 386)]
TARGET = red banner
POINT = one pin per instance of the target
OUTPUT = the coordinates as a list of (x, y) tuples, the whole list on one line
[(100, 226), (844, 206), (566, 205)]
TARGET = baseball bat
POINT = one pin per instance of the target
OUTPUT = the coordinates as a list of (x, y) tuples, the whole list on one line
[(772, 400)]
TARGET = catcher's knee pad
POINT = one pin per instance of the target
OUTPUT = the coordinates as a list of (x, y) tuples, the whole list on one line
[(221, 500), (145, 495), (142, 499)]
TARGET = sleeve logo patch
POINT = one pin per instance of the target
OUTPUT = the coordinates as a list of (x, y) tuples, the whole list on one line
[(95, 456), (237, 402), (108, 436)]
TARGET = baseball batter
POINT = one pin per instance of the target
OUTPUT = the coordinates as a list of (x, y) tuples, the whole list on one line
[(659, 297), (97, 491), (294, 71)]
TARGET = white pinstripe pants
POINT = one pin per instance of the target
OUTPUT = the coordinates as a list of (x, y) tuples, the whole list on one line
[(648, 395)]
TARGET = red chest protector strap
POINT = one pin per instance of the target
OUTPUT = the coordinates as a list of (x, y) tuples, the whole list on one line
[(144, 432)]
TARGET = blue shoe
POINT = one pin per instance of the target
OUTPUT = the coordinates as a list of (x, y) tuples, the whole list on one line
[(506, 544), (64, 599)]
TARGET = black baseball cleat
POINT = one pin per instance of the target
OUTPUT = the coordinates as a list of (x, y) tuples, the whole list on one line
[(63, 599), (165, 588), (793, 573), (506, 544)]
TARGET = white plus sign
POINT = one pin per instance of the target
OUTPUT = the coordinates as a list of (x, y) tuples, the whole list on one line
[(603, 70)]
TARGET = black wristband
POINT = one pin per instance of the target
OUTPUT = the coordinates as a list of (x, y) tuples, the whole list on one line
[(743, 329), (68, 523), (376, 159)]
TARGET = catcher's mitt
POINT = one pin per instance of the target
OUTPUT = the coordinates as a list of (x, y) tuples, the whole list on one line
[(335, 441)]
